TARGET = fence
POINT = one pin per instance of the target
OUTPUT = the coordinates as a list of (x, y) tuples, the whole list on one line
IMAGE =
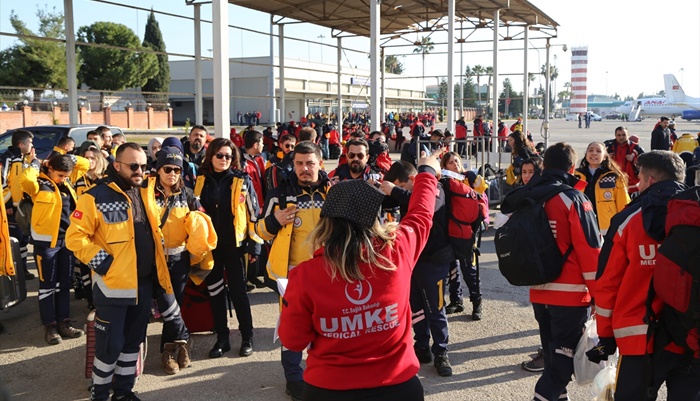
[(127, 119)]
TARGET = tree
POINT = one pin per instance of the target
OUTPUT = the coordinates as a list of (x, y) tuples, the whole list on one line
[(392, 65), (478, 70), (109, 69), (153, 39), (424, 46), (489, 72), (515, 107), (32, 62), (553, 75)]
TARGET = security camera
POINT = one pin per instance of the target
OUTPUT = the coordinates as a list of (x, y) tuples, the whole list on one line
[(565, 48)]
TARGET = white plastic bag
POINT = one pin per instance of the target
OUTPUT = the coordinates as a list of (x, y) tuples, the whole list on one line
[(603, 387), (584, 370)]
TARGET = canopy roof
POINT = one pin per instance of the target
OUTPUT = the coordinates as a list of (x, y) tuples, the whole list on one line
[(400, 16)]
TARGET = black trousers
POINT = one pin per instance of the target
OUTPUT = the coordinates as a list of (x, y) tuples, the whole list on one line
[(682, 377), (411, 390), (560, 330), (229, 261)]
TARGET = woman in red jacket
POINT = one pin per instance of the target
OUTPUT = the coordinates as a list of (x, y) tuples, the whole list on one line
[(356, 318)]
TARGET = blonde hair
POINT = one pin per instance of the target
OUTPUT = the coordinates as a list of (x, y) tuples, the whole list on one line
[(100, 164), (348, 244)]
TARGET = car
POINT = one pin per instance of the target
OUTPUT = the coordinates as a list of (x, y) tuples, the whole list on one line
[(572, 117), (596, 117), (613, 116), (47, 136)]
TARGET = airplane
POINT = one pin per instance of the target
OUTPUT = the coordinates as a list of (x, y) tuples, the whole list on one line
[(675, 103)]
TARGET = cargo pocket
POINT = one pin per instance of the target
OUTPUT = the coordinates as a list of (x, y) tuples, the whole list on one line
[(102, 331)]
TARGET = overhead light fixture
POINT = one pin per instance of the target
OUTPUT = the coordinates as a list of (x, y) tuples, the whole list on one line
[(417, 43), (507, 38), (461, 40), (481, 24)]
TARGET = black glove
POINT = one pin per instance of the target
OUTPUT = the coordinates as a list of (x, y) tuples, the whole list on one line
[(606, 346)]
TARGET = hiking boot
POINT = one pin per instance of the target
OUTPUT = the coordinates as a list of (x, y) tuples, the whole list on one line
[(183, 353), (536, 364), (295, 389), (246, 347), (424, 355), (476, 310), (167, 359), (52, 337), (130, 396), (455, 307), (67, 331), (442, 363)]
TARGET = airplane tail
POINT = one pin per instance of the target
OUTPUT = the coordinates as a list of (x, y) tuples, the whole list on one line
[(674, 92)]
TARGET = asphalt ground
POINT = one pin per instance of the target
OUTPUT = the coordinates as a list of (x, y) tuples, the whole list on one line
[(485, 355)]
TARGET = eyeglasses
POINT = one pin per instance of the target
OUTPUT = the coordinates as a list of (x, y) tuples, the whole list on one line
[(356, 155), (135, 166), (168, 170), (223, 156)]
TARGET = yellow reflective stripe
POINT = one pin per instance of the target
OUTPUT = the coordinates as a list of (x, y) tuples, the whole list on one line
[(441, 295), (39, 267)]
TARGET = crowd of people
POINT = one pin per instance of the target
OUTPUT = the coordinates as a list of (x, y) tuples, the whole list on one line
[(127, 228)]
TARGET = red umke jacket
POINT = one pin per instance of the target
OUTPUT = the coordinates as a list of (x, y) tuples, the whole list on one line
[(359, 334)]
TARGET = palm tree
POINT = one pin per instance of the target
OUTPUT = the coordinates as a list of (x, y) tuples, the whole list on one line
[(488, 71), (392, 65), (553, 75), (478, 70), (424, 46)]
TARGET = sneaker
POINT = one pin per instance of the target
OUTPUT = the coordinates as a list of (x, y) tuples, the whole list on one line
[(536, 364), (257, 282), (295, 389), (65, 330), (246, 348), (183, 353), (130, 396), (424, 355), (454, 307), (52, 337), (167, 359), (442, 363)]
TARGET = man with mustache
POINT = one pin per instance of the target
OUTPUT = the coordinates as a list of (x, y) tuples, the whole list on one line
[(357, 152), (114, 231), (292, 210), (193, 146)]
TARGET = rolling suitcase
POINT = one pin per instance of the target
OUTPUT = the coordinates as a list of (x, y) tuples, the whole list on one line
[(13, 289), (196, 308)]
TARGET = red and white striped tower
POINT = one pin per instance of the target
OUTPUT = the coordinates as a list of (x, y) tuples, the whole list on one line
[(579, 77)]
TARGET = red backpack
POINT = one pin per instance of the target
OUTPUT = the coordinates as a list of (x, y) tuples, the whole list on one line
[(465, 213), (677, 273)]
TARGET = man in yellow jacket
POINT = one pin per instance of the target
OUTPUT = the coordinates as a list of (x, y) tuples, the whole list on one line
[(115, 231), (291, 212)]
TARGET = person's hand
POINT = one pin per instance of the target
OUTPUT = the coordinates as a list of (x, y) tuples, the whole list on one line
[(252, 259), (630, 157), (285, 216), (386, 187), (606, 347), (432, 161)]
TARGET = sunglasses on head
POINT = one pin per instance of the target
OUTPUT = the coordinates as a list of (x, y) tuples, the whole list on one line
[(168, 170), (223, 156), (135, 166), (356, 155)]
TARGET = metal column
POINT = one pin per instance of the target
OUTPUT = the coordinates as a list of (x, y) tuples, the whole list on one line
[(283, 115), (545, 123), (273, 117), (450, 66), (382, 103), (222, 80), (494, 99), (71, 68), (339, 114), (526, 80), (374, 18), (198, 103)]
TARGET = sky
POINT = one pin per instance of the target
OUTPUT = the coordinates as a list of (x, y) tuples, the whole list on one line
[(631, 44)]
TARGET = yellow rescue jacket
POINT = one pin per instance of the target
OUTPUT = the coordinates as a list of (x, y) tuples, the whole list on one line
[(48, 205), (7, 266), (610, 197), (101, 235), (686, 143)]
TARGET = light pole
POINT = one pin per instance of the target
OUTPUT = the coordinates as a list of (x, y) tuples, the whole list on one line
[(606, 84), (320, 37)]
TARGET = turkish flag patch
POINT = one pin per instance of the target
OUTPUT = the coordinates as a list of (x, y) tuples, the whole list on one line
[(588, 207), (78, 214)]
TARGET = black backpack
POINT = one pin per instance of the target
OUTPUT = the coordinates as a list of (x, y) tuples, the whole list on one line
[(526, 248), (676, 278)]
